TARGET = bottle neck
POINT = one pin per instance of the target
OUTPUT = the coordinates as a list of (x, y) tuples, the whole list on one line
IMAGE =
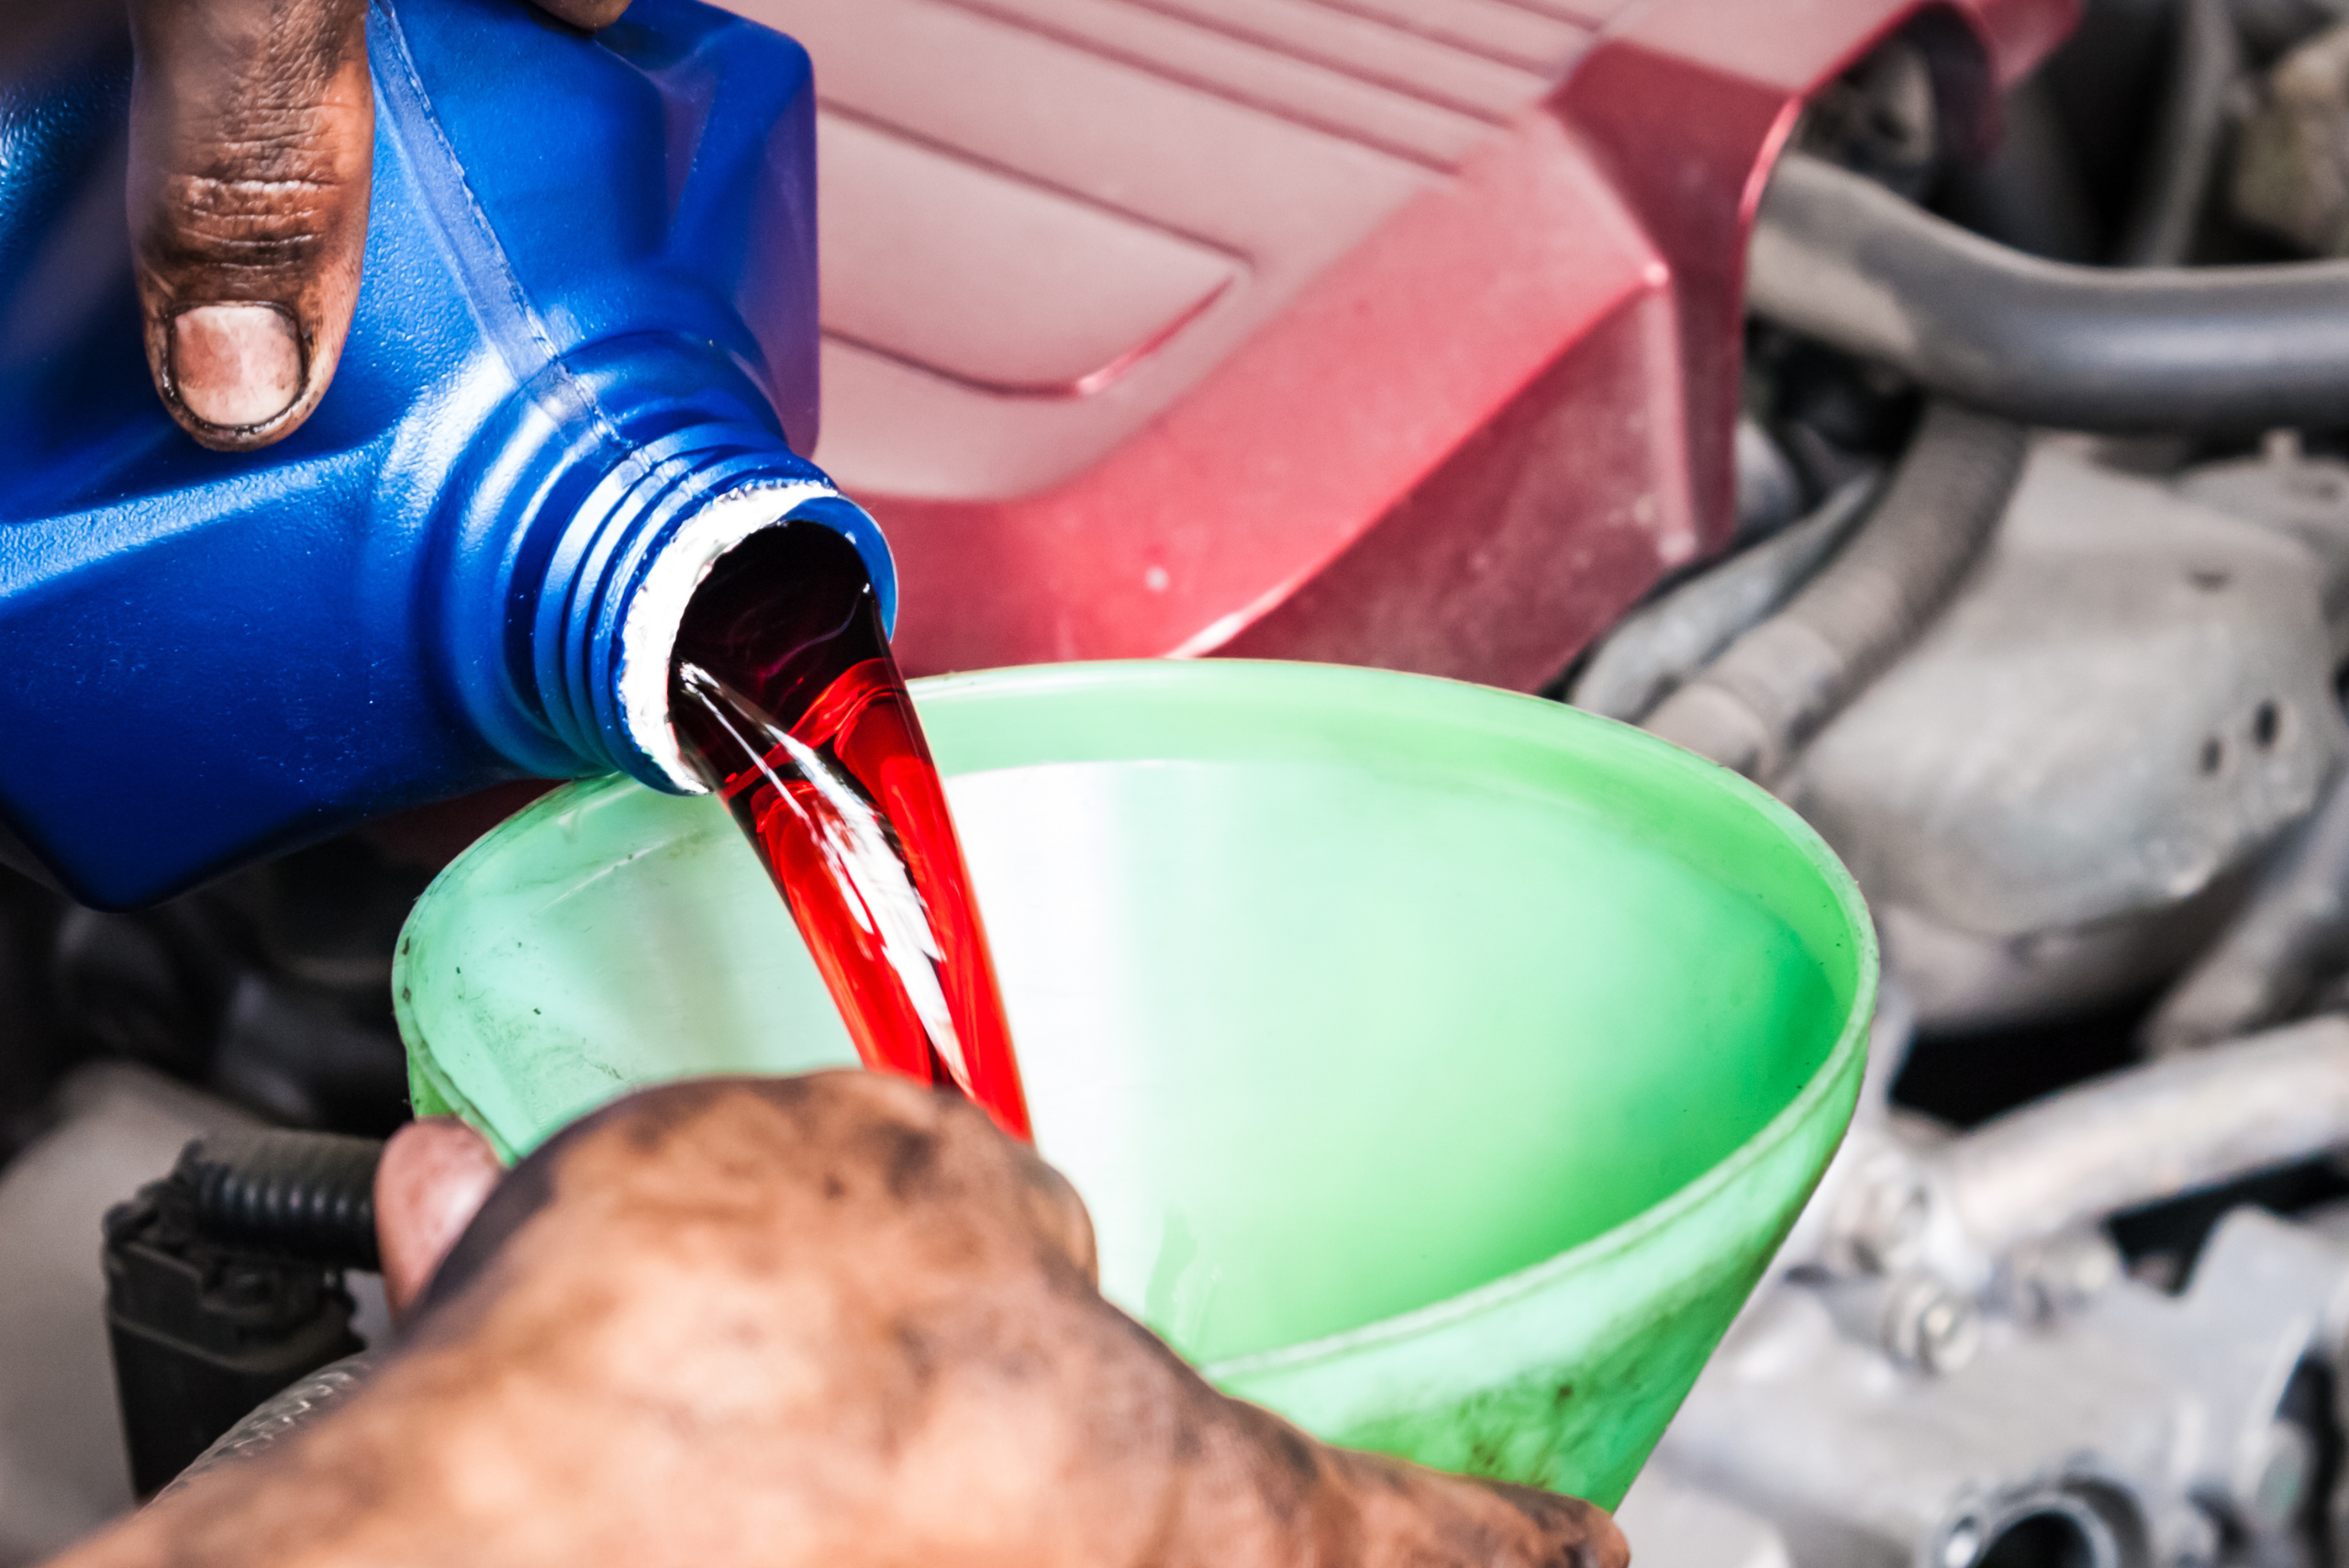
[(604, 657), (590, 515)]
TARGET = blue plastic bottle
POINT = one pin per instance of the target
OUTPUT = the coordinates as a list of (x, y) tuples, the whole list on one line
[(584, 357)]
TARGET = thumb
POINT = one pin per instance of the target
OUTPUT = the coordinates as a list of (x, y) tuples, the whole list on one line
[(434, 1177), (588, 15), (252, 125)]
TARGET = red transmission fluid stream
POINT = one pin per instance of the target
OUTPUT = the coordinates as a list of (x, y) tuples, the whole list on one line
[(790, 704)]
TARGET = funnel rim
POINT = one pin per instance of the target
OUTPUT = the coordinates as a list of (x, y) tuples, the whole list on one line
[(1462, 704), (423, 1060), (1826, 1080)]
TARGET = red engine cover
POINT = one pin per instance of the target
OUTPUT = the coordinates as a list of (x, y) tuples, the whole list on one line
[(1398, 332)]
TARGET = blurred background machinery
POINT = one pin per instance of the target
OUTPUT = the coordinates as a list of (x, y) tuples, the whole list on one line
[(1939, 413), (2056, 669)]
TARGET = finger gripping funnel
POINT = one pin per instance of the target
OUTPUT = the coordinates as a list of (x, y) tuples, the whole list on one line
[(1442, 1066)]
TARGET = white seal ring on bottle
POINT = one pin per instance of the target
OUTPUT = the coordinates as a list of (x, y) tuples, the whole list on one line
[(657, 611)]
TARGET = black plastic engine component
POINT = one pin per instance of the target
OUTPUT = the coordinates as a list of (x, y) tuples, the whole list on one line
[(225, 1284)]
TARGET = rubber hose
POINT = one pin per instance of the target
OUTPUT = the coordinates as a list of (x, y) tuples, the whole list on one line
[(1776, 686), (1840, 259), (309, 1195), (283, 1416), (2207, 59), (1656, 650)]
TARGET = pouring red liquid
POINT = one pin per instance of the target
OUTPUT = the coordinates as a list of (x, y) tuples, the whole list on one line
[(788, 701)]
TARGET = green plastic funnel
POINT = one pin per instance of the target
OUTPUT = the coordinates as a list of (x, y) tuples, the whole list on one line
[(1442, 1066)]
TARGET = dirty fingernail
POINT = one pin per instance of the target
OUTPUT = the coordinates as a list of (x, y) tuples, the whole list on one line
[(236, 365)]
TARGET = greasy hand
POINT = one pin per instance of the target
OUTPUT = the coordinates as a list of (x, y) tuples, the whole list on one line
[(835, 1320), (251, 133)]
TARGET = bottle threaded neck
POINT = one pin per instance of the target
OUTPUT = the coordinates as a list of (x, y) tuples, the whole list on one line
[(607, 629), (579, 517), (655, 611)]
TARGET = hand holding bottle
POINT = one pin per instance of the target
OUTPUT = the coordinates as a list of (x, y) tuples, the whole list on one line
[(251, 135), (835, 1320)]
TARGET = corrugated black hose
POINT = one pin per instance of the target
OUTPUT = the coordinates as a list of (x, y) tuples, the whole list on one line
[(1757, 704), (309, 1195)]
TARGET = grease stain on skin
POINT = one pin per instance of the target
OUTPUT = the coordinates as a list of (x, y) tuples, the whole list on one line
[(910, 1158)]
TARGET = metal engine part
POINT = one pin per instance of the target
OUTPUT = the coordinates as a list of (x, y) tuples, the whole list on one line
[(2294, 492), (2135, 1430), (2047, 796), (2291, 933), (1952, 1371), (2291, 169)]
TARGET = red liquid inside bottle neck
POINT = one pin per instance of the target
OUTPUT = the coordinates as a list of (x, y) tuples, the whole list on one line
[(787, 700)]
